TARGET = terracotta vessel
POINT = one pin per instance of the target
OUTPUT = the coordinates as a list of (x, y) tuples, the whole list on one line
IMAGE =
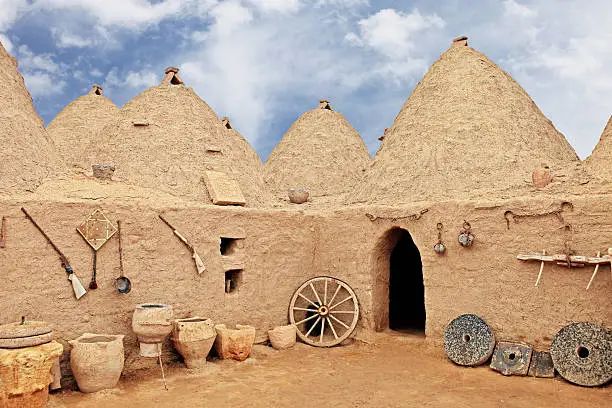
[(282, 337), (541, 177), (193, 338), (96, 361), (152, 323), (25, 375), (298, 195), (234, 343)]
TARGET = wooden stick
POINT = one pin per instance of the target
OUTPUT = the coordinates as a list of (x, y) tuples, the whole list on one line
[(594, 273), (3, 233), (162, 366), (541, 269), (574, 259)]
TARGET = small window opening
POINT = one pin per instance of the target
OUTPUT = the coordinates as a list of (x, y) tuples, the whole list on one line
[(228, 246), (233, 279), (96, 90), (226, 123), (324, 104)]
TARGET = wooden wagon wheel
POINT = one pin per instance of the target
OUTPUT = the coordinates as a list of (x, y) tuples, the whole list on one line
[(324, 310)]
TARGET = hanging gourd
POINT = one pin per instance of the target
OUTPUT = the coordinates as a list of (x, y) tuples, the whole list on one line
[(439, 247), (465, 236)]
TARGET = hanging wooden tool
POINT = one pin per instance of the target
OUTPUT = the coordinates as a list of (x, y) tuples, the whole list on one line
[(77, 287), (96, 230), (196, 258), (594, 273), (541, 270), (3, 233)]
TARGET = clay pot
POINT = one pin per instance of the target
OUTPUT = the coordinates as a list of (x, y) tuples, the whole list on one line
[(25, 375), (298, 195), (193, 338), (152, 323), (96, 361), (541, 177), (282, 337), (234, 343), (103, 171)]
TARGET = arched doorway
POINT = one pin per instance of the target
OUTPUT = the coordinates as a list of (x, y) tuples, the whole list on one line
[(399, 292)]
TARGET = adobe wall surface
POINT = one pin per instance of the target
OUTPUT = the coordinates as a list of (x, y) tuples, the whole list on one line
[(284, 248)]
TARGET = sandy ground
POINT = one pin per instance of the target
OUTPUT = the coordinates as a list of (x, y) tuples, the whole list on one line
[(394, 371)]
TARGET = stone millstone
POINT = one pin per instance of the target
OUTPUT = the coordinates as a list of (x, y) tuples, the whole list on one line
[(468, 340), (511, 358), (22, 342), (27, 329), (582, 354), (541, 365)]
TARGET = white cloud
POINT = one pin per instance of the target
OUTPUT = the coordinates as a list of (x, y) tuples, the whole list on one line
[(392, 32), (131, 79), (229, 16), (66, 39), (30, 61), (8, 45), (43, 85), (283, 6), (513, 8), (10, 11)]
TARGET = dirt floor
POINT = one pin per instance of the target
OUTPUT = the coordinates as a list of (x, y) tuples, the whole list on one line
[(394, 371)]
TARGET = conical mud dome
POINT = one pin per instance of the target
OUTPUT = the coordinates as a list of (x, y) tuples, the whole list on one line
[(468, 129), (321, 152), (27, 155), (77, 125), (166, 138), (600, 161)]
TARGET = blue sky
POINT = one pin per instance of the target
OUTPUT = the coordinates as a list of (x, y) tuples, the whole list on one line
[(264, 62)]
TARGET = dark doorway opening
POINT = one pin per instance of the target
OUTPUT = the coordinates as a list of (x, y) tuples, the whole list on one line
[(406, 288)]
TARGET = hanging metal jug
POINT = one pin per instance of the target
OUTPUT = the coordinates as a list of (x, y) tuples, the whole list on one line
[(465, 236)]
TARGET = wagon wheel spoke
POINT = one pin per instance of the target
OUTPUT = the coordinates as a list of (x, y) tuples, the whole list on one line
[(313, 326), (322, 330), (341, 302), (339, 321), (335, 293), (306, 319), (308, 300), (325, 293), (342, 312), (331, 326), (303, 309), (316, 294)]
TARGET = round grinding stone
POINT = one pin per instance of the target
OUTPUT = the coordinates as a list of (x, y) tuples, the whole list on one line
[(25, 329), (582, 354), (468, 340)]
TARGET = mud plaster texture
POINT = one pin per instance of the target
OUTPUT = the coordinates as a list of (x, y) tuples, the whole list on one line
[(76, 127), (466, 130), (600, 159), (322, 153), (281, 249), (167, 137), (28, 155)]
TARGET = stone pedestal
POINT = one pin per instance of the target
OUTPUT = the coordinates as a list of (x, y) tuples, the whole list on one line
[(25, 375)]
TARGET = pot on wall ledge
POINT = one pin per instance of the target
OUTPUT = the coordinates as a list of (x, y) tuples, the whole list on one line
[(152, 323), (234, 343), (96, 361), (193, 338)]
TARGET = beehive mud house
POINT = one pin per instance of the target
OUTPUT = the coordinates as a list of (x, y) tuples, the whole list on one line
[(463, 148)]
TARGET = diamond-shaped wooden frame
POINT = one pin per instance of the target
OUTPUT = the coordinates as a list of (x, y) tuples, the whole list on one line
[(96, 229)]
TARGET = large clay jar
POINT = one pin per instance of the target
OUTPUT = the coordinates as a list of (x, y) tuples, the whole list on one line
[(152, 323), (282, 337), (234, 343), (25, 375), (96, 361), (193, 338)]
